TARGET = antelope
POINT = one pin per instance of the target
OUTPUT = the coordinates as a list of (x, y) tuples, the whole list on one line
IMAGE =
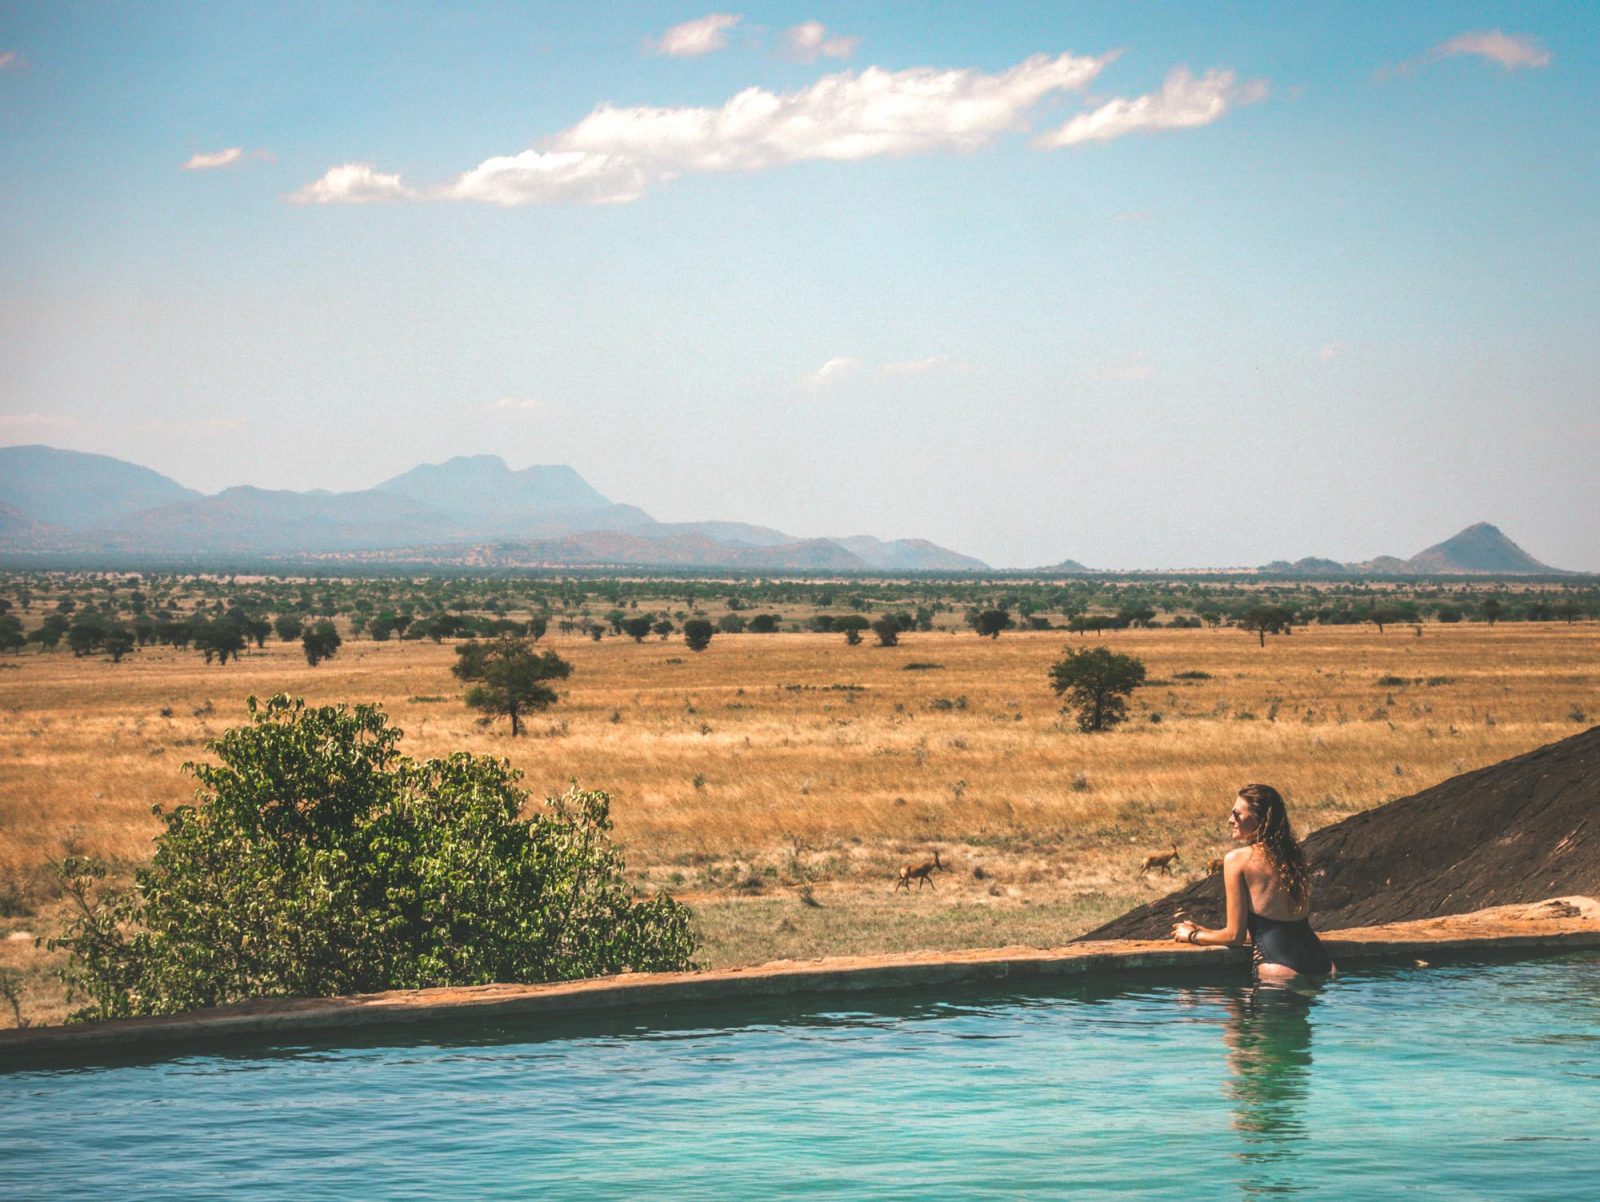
[(1162, 860), (923, 873), (1214, 865)]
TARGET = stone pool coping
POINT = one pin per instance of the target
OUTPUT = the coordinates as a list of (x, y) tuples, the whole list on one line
[(1556, 925)]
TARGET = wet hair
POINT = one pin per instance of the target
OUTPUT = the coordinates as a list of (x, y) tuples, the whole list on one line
[(1275, 837)]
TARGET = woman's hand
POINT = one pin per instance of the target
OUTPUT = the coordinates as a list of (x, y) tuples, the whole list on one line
[(1183, 932)]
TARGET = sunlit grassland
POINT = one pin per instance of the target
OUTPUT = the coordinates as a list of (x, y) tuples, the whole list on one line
[(774, 764)]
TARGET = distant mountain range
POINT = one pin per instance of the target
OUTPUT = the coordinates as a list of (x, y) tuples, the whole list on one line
[(1479, 550), (472, 510)]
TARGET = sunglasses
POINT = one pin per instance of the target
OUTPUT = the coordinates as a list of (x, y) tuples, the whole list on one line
[(1241, 816)]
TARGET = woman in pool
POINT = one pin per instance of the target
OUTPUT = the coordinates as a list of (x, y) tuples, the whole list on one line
[(1268, 890)]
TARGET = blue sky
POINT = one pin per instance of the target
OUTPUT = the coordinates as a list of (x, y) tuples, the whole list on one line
[(1147, 285)]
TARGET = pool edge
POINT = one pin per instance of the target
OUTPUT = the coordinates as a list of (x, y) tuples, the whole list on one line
[(1507, 931)]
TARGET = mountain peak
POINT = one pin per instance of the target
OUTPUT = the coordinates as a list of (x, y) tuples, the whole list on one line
[(79, 490), (1480, 548)]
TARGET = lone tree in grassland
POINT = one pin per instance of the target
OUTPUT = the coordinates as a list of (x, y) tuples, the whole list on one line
[(637, 628), (321, 641), (851, 626), (1263, 620), (1390, 615), (1097, 681), (319, 860), (990, 622), (888, 631), (697, 633), (508, 677)]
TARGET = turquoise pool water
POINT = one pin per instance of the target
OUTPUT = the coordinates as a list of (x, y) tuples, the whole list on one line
[(1455, 1083)]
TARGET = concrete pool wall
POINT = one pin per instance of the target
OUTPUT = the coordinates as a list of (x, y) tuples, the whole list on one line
[(1549, 927)]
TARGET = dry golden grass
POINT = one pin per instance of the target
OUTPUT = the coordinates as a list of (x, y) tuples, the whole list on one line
[(773, 763)]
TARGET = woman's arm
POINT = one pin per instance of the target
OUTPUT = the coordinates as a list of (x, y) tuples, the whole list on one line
[(1234, 890)]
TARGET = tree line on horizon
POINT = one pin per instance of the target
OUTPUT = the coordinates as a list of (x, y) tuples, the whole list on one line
[(220, 618)]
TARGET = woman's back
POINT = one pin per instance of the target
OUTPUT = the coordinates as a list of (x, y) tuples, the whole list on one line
[(1269, 896)]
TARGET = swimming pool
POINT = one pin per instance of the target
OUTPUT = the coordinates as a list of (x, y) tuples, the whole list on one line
[(1453, 1082)]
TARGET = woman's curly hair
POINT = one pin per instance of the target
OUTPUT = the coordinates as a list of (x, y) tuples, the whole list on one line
[(1274, 835)]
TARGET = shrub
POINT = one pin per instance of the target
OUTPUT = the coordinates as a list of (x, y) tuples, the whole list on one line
[(319, 860)]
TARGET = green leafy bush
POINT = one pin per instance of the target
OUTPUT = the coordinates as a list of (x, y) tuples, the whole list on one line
[(317, 860)]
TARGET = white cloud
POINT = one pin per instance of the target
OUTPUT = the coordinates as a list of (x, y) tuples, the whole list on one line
[(838, 368), (549, 177), (1509, 50), (1183, 102), (220, 158), (516, 404), (615, 154), (923, 367), (22, 423), (352, 183), (809, 41), (692, 38)]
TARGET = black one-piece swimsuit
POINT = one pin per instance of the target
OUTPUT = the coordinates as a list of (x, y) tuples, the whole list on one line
[(1292, 944)]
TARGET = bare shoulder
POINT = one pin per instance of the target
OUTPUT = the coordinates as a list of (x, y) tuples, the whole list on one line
[(1237, 858)]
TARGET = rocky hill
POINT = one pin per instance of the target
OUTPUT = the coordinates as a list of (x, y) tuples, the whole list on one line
[(1479, 550), (1521, 830)]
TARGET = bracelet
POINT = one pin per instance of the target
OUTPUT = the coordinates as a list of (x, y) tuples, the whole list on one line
[(1193, 933)]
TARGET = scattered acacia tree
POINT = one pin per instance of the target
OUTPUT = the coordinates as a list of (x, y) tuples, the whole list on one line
[(697, 633), (319, 860), (288, 627), (1097, 681), (990, 622), (509, 677), (320, 641), (888, 631), (663, 628), (1263, 620), (1388, 615), (219, 639), (118, 641), (851, 626), (764, 624), (637, 628)]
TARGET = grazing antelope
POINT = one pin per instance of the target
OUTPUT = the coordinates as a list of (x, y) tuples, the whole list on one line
[(1214, 865), (1162, 860), (923, 873)]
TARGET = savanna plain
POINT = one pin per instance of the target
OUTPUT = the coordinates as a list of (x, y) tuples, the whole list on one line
[(777, 782)]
